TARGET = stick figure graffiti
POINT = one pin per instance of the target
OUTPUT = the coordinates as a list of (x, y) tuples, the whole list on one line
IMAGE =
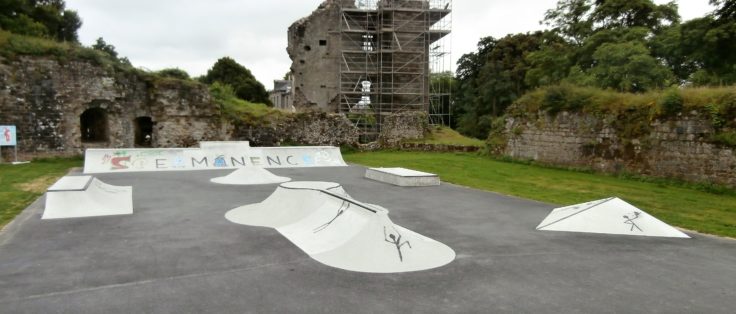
[(343, 207), (395, 240), (630, 220)]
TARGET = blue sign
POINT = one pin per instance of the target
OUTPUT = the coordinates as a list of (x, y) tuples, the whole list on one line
[(7, 135)]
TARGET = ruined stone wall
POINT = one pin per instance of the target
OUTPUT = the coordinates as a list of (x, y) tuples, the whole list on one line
[(45, 99), (304, 128), (679, 148), (314, 48), (401, 126), (320, 128)]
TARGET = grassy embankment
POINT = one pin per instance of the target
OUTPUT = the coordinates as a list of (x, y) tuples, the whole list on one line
[(633, 114), (20, 185), (679, 205), (448, 136)]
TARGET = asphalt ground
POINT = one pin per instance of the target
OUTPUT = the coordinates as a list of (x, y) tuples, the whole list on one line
[(178, 254)]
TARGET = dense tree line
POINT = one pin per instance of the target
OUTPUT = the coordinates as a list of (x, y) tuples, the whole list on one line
[(623, 45), (40, 18)]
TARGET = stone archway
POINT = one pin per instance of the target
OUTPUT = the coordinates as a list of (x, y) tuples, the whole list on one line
[(143, 131), (94, 126)]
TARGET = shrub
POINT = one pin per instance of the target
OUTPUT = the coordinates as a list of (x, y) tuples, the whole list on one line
[(725, 138), (671, 103), (13, 46), (174, 73), (241, 111), (566, 97)]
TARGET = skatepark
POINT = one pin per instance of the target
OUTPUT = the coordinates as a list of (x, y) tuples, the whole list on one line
[(331, 240)]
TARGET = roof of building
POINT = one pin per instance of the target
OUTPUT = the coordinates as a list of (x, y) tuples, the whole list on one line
[(282, 86)]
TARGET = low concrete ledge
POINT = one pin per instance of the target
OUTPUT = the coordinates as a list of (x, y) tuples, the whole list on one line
[(402, 176)]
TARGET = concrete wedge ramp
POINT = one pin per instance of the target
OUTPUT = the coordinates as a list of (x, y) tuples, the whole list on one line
[(250, 176), (85, 196), (610, 216), (338, 231)]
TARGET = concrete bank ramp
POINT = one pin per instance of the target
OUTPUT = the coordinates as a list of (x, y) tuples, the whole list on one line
[(325, 222), (609, 216), (250, 176), (85, 196)]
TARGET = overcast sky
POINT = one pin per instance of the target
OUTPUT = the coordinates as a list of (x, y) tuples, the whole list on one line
[(192, 35)]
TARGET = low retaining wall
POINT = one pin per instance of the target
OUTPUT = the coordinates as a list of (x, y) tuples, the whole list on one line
[(680, 148), (437, 147)]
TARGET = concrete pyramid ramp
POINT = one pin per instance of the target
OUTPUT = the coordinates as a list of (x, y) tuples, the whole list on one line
[(338, 231), (610, 216), (250, 176), (85, 196)]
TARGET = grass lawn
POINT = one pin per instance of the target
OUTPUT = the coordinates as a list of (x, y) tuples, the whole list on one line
[(680, 206), (20, 185), (448, 136)]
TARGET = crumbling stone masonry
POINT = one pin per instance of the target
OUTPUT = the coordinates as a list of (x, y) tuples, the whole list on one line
[(63, 108), (679, 148), (369, 58), (314, 50)]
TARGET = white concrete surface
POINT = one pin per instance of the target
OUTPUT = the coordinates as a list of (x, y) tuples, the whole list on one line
[(402, 176), (85, 196), (339, 231), (609, 216), (250, 176), (71, 183)]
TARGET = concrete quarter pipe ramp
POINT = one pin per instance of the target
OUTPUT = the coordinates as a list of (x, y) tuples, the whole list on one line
[(610, 216), (85, 196), (250, 176), (338, 231)]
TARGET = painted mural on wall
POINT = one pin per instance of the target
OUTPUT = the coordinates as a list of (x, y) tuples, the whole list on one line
[(182, 159)]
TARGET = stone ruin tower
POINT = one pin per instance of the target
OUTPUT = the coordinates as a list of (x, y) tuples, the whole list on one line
[(371, 58)]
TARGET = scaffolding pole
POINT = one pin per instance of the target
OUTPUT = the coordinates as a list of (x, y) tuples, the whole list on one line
[(394, 57)]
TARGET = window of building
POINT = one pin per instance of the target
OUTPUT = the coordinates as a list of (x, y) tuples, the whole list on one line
[(143, 131), (323, 42), (93, 125)]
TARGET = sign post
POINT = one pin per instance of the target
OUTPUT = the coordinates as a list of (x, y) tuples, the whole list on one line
[(8, 138)]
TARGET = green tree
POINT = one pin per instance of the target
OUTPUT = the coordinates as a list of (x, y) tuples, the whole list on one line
[(103, 46), (726, 10), (551, 63), (174, 73), (628, 67), (712, 42), (246, 87), (492, 78), (675, 52), (570, 19), (441, 86), (41, 18), (633, 13), (70, 23), (589, 25)]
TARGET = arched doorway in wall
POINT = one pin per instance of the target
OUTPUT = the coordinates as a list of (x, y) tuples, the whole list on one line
[(93, 125), (143, 131)]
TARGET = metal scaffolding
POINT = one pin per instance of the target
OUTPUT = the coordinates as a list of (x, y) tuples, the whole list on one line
[(393, 57)]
